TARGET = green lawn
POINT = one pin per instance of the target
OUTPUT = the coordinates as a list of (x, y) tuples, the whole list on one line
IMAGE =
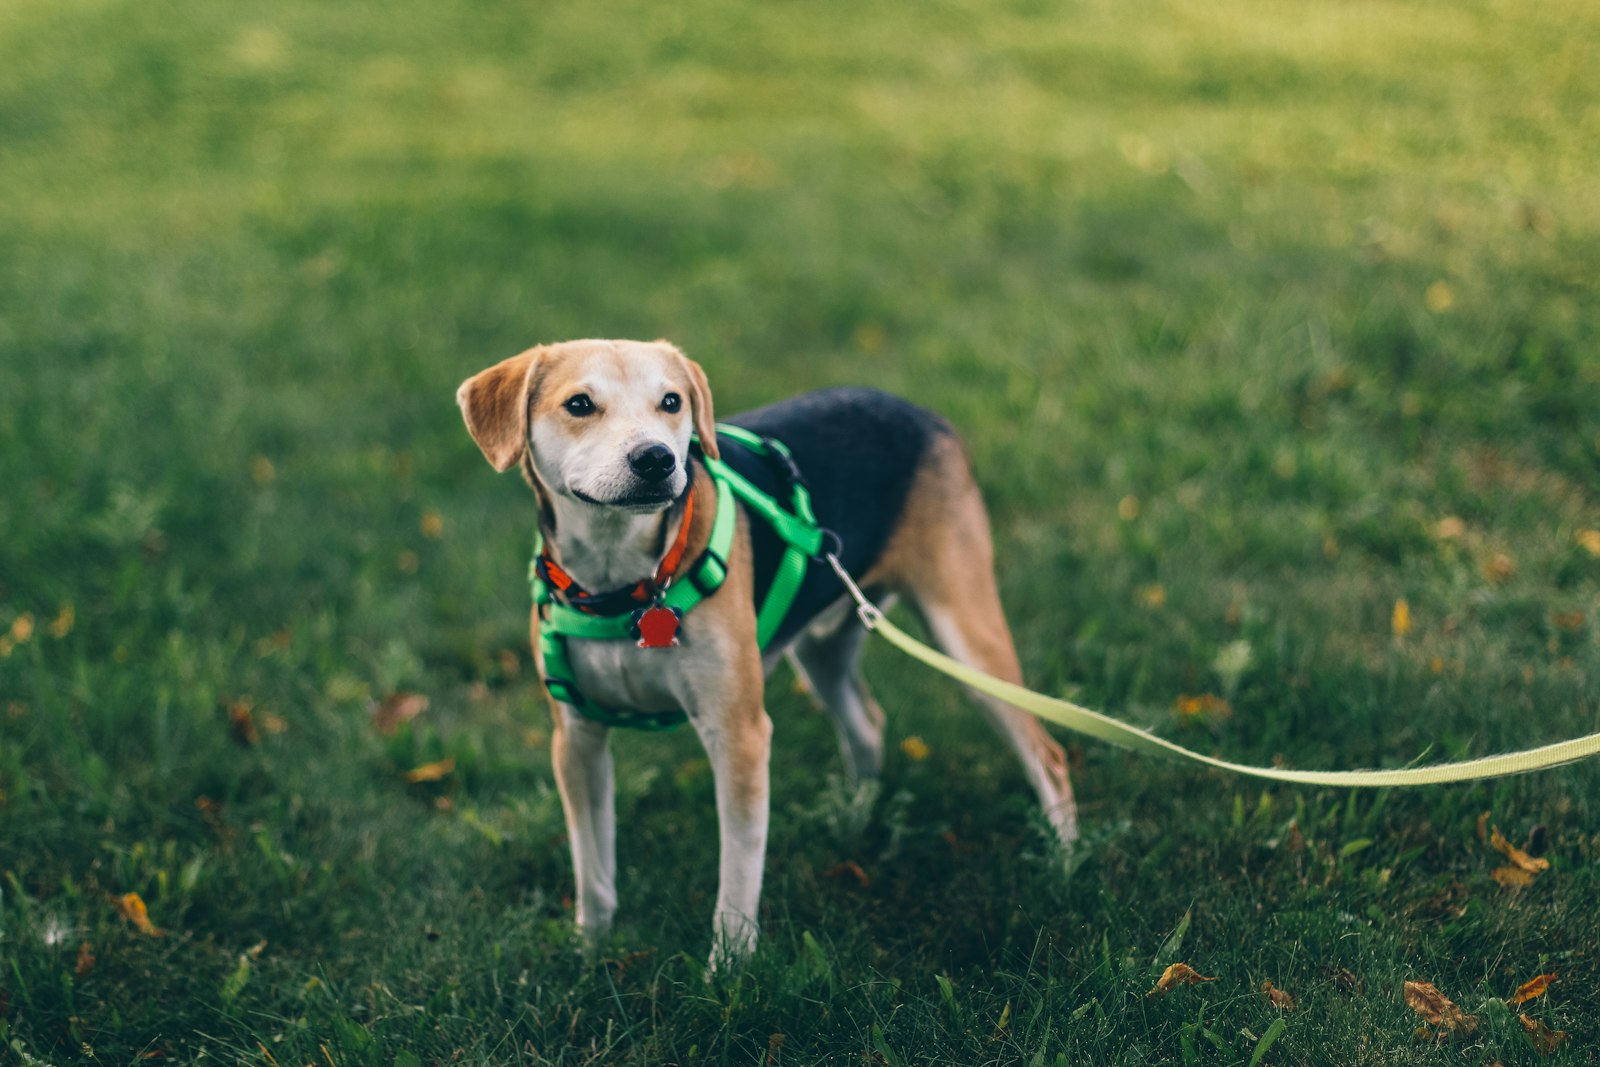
[(1258, 318)]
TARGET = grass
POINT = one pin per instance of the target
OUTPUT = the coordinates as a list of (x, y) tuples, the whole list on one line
[(1234, 303)]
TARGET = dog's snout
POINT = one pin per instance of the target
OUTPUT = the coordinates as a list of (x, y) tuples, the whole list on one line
[(653, 463)]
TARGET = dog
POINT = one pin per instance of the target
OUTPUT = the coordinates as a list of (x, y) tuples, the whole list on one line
[(601, 431)]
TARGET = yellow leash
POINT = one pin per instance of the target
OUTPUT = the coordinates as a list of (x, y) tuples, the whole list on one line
[(1074, 717)]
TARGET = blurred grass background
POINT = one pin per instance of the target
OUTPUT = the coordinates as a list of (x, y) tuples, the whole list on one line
[(1257, 318)]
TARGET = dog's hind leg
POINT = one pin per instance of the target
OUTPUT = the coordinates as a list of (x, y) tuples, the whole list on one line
[(942, 558), (827, 657)]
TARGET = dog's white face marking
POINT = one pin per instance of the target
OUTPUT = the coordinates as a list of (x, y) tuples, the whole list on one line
[(610, 423)]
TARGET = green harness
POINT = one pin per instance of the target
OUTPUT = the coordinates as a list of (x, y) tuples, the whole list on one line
[(796, 527)]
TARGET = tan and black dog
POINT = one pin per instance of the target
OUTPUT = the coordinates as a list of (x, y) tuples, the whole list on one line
[(601, 431)]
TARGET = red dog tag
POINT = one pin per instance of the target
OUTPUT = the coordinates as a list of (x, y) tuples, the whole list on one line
[(657, 626)]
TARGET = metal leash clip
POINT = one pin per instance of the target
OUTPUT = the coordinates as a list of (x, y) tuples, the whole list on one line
[(866, 610)]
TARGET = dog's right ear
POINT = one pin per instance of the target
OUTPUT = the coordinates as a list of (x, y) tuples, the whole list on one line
[(495, 404)]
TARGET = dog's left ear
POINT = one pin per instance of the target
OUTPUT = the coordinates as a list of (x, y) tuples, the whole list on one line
[(495, 404), (705, 423)]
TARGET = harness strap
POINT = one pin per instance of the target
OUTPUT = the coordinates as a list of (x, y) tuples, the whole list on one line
[(798, 529)]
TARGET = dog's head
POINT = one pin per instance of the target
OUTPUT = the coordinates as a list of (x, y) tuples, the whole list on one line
[(604, 422)]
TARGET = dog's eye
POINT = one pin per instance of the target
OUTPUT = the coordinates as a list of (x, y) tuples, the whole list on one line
[(671, 402), (579, 405)]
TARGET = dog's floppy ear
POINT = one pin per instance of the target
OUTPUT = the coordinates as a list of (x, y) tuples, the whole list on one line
[(495, 404), (705, 423)]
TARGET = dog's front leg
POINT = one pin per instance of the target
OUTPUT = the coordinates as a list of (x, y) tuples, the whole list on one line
[(737, 736), (582, 759)]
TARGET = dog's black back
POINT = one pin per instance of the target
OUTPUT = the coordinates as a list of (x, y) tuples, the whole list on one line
[(859, 451)]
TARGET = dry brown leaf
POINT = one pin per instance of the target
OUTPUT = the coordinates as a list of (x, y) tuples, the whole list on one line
[(131, 907), (1438, 1009), (851, 869), (431, 772), (1531, 864), (1511, 877), (1533, 988), (242, 721), (1277, 997), (85, 962), (395, 709), (1483, 828), (1544, 1040), (1177, 974)]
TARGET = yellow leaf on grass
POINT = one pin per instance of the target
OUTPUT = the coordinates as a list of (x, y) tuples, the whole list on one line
[(431, 772), (131, 907), (432, 524), (1545, 1040), (1207, 705), (1589, 540), (1400, 620), (1175, 975), (1533, 988), (1439, 297), (1277, 997), (915, 748), (61, 626), (1511, 877), (1511, 852), (1426, 1000)]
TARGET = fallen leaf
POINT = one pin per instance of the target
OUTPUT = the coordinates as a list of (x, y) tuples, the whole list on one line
[(1590, 541), (850, 868), (432, 524), (395, 709), (1174, 975), (1152, 596), (1531, 864), (1438, 1009), (22, 629), (1439, 297), (1400, 619), (1483, 828), (85, 962), (1449, 528), (431, 772), (1345, 980), (131, 907), (775, 1048), (1128, 508), (915, 748), (1499, 568), (1511, 877), (1277, 997), (510, 663), (1206, 705), (62, 624), (243, 723), (1544, 1040), (1533, 988)]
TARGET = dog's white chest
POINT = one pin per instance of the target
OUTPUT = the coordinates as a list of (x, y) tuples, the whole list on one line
[(619, 674)]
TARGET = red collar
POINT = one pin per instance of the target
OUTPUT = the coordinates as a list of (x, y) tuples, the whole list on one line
[(642, 593)]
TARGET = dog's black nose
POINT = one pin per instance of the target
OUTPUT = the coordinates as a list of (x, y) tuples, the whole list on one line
[(653, 463)]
